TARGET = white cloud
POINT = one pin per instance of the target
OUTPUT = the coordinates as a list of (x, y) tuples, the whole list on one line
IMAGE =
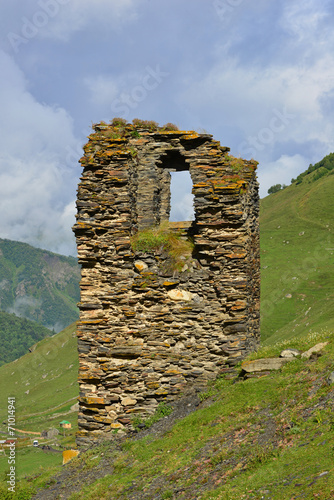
[(259, 109), (121, 95), (261, 61), (248, 95), (36, 185), (23, 306), (77, 15), (29, 126), (303, 20), (60, 19), (281, 171), (103, 89), (31, 203)]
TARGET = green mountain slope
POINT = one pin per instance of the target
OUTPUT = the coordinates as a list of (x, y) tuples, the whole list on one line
[(267, 437), (41, 380), (297, 257), (38, 285), (44, 385), (17, 335)]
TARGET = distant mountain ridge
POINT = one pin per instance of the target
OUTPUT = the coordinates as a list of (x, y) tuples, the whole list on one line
[(38, 285)]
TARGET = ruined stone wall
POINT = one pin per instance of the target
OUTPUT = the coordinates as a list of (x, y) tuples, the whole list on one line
[(148, 329)]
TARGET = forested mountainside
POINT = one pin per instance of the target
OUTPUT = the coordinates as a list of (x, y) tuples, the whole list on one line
[(17, 335), (38, 285)]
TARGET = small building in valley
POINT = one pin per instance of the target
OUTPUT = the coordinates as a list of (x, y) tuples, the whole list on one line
[(65, 424)]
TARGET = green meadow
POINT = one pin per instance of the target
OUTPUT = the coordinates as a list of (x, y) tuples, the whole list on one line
[(44, 385), (297, 256)]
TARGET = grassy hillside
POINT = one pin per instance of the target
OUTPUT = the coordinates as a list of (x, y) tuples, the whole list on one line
[(42, 380), (297, 257), (260, 438), (38, 285), (17, 335), (44, 384)]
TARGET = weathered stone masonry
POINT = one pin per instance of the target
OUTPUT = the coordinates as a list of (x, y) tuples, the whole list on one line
[(146, 331)]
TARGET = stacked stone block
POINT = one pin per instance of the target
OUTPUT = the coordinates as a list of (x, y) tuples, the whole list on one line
[(147, 331)]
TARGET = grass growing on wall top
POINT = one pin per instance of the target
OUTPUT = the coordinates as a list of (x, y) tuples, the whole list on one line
[(163, 239)]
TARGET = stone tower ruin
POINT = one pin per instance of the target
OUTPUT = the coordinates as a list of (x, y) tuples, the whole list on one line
[(163, 309)]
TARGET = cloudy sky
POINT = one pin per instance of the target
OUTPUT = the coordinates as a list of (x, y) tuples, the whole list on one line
[(257, 74)]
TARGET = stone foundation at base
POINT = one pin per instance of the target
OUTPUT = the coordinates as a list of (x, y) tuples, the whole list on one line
[(155, 322)]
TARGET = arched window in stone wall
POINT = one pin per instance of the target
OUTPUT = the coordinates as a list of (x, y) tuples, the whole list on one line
[(154, 186)]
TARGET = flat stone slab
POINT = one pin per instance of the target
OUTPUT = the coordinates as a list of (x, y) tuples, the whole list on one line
[(313, 350), (259, 365)]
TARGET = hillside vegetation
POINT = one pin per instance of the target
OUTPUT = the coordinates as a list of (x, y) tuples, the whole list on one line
[(17, 335), (42, 380), (44, 385), (321, 169), (38, 285), (297, 256), (260, 438)]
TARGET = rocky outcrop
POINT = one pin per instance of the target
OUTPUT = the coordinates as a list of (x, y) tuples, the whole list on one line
[(150, 326)]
